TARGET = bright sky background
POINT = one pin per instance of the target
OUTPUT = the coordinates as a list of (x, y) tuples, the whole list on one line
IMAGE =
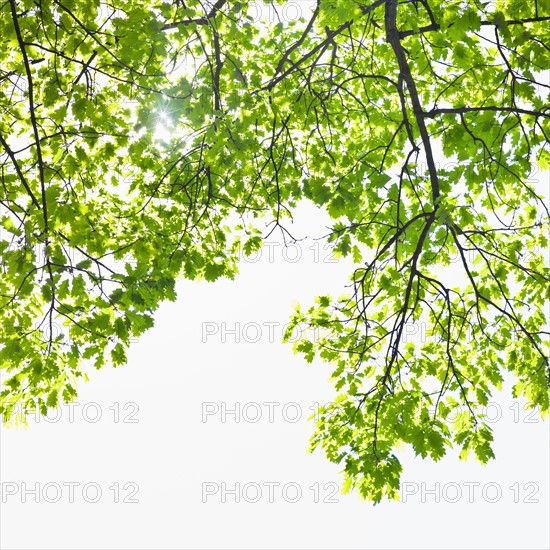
[(165, 436), (169, 454)]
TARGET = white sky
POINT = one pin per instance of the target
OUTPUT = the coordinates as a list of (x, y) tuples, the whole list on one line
[(181, 448), (170, 454)]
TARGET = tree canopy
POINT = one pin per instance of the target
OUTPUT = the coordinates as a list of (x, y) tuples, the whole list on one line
[(421, 127)]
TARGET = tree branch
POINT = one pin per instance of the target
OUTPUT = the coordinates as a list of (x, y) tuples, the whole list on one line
[(199, 20), (461, 110), (18, 170), (31, 111), (392, 37), (436, 27)]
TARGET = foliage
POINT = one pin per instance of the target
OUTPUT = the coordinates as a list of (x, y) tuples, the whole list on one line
[(352, 107)]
